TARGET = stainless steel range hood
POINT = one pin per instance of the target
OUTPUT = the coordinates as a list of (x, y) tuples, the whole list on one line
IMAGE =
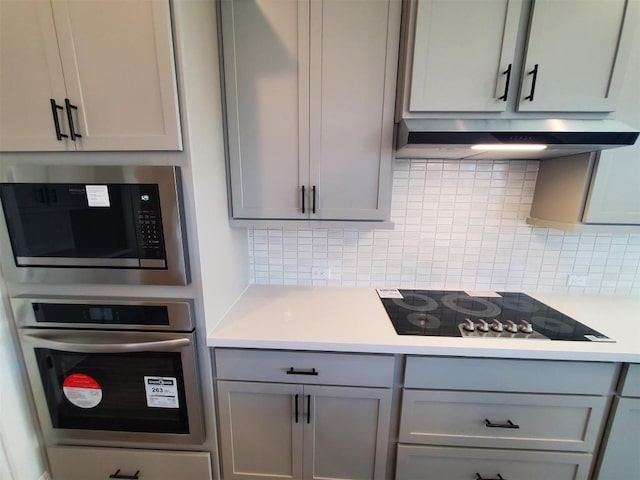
[(508, 139)]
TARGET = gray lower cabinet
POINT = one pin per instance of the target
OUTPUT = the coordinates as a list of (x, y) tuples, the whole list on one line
[(276, 423), (88, 463), (496, 418), (620, 456)]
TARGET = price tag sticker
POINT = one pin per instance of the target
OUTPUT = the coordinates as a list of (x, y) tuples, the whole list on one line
[(389, 293), (97, 195), (162, 392), (82, 390)]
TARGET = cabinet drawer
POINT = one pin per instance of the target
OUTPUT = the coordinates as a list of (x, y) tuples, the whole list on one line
[(546, 422), (490, 374), (444, 463), (80, 463), (304, 367), (631, 383)]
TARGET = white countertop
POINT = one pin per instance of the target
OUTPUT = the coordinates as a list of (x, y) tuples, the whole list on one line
[(354, 320)]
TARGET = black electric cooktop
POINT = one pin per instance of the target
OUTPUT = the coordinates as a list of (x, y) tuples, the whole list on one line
[(490, 315)]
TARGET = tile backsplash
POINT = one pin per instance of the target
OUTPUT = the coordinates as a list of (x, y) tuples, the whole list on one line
[(458, 225)]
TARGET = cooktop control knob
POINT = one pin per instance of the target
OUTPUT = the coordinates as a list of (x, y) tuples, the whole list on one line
[(496, 326), (483, 326), (468, 325), (510, 326), (525, 327)]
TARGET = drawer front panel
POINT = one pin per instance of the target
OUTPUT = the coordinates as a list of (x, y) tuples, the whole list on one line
[(500, 375), (631, 385), (546, 422), (304, 367), (417, 463), (80, 463)]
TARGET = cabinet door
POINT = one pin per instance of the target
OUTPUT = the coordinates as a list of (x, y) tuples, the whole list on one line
[(579, 47), (354, 47), (346, 432), (30, 75), (260, 434), (461, 54), (620, 458), (266, 68), (119, 71)]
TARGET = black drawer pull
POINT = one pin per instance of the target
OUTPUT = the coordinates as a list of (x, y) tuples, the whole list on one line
[(507, 72), (56, 123), (309, 371), (72, 128), (308, 408), (135, 476), (313, 208), (480, 477), (533, 72), (303, 209), (297, 410), (509, 424)]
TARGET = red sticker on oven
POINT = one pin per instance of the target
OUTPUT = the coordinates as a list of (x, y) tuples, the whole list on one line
[(82, 390)]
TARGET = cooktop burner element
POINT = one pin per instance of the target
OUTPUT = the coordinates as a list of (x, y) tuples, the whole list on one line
[(480, 315)]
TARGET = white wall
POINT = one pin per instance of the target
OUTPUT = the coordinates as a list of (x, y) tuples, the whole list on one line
[(20, 453), (459, 225)]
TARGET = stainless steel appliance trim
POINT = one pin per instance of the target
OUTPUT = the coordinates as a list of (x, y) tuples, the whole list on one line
[(169, 183), (41, 339), (152, 263), (191, 385), (78, 262), (178, 311)]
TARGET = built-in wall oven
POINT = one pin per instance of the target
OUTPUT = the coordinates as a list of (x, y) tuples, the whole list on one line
[(112, 371), (94, 224)]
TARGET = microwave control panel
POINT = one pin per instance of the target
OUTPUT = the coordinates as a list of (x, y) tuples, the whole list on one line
[(150, 237)]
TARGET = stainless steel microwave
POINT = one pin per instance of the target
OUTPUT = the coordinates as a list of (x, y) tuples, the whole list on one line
[(99, 224)]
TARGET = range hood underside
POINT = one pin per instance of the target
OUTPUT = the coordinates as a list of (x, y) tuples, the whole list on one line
[(453, 139)]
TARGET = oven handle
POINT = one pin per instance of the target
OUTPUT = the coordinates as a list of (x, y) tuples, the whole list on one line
[(157, 346)]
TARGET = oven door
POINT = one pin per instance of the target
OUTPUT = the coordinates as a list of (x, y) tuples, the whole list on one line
[(115, 386)]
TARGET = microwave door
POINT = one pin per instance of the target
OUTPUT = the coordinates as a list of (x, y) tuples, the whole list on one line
[(67, 230)]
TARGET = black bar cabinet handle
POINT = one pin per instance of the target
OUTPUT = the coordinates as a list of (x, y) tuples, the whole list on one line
[(533, 72), (480, 477), (72, 128), (313, 208), (297, 411), (135, 476), (293, 371), (308, 408), (303, 199), (509, 424), (56, 122), (507, 72)]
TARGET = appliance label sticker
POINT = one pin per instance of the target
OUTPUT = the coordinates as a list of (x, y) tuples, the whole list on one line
[(82, 390), (162, 392), (97, 195), (389, 293), (477, 293)]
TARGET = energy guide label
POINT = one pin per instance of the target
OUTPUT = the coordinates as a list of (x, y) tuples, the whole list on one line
[(82, 390), (162, 392)]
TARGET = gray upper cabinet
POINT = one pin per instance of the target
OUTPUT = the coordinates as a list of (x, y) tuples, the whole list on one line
[(572, 55), (108, 66), (464, 55), (310, 107)]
